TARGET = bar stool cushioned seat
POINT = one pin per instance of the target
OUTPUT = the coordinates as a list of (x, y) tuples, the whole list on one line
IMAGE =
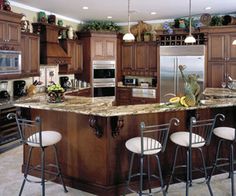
[(227, 133), (48, 138), (134, 145), (182, 139)]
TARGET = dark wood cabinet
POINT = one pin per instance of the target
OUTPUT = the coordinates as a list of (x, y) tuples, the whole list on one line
[(74, 49), (30, 54), (221, 60), (123, 96), (10, 36), (10, 32), (139, 58), (96, 46)]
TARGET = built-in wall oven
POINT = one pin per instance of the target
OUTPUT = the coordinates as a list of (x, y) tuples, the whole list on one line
[(104, 74)]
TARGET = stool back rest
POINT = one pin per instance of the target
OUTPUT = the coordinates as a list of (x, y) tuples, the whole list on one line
[(30, 130), (201, 130), (152, 133)]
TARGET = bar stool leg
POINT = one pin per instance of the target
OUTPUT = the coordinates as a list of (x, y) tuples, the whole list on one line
[(214, 167), (188, 170), (59, 169), (149, 175), (173, 167), (26, 170), (232, 168), (42, 170), (130, 172), (141, 176), (203, 163), (160, 175)]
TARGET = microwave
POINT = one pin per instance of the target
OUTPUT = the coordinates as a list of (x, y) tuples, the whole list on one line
[(10, 61)]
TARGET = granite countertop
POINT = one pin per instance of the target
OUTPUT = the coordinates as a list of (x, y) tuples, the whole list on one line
[(219, 92), (105, 106)]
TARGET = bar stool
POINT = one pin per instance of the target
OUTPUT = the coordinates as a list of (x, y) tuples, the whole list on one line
[(198, 136), (226, 134), (32, 135), (152, 141)]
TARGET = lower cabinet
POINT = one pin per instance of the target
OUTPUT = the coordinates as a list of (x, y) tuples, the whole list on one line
[(83, 92), (124, 97), (30, 54)]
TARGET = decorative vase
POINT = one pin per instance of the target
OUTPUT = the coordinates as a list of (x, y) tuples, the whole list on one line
[(52, 19), (70, 33), (146, 38), (42, 17), (60, 23), (56, 96)]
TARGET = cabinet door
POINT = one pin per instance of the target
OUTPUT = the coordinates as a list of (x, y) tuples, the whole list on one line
[(152, 57), (216, 47), (232, 48), (110, 49), (123, 96), (34, 54), (215, 73), (231, 69), (127, 57), (79, 57), (25, 54), (2, 31), (141, 52), (14, 33), (98, 49)]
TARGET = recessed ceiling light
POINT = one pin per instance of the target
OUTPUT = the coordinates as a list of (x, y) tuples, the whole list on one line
[(208, 8), (109, 17), (85, 8), (153, 13)]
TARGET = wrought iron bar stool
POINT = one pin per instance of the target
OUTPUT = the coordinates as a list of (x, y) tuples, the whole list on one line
[(152, 141), (228, 135), (32, 135), (198, 136)]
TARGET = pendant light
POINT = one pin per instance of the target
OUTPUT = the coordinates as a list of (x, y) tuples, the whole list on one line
[(190, 39), (128, 36), (234, 42)]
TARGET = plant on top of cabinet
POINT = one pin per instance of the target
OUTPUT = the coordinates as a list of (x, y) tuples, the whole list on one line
[(96, 25)]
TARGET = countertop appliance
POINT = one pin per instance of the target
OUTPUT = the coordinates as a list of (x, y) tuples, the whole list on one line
[(4, 95), (104, 74), (64, 82), (171, 82), (130, 81), (19, 88)]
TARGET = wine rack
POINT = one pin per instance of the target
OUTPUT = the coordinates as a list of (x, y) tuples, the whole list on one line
[(173, 40)]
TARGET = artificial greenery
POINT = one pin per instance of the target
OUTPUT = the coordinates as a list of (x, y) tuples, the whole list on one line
[(216, 21), (97, 25)]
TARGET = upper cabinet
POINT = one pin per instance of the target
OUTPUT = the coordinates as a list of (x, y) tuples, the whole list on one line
[(96, 46), (139, 58), (221, 59), (30, 54), (10, 33), (74, 49), (103, 48), (220, 47)]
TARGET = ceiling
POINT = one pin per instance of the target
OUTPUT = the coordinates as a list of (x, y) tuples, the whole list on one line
[(140, 9)]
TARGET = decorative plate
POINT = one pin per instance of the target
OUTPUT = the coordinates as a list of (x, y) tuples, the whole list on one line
[(205, 19)]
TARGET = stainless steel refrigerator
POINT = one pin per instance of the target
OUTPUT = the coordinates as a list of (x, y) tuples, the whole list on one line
[(171, 82)]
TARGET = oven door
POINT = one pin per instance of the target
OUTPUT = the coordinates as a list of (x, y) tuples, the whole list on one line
[(103, 73), (104, 89)]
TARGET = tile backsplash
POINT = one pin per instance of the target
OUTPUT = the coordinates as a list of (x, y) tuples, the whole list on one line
[(48, 74)]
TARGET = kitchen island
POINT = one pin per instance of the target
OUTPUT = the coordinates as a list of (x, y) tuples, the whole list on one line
[(94, 132)]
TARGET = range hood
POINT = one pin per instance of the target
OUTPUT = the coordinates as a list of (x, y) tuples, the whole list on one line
[(50, 50)]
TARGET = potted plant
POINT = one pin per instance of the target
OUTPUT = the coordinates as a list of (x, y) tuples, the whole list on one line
[(97, 25), (55, 93), (147, 36)]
